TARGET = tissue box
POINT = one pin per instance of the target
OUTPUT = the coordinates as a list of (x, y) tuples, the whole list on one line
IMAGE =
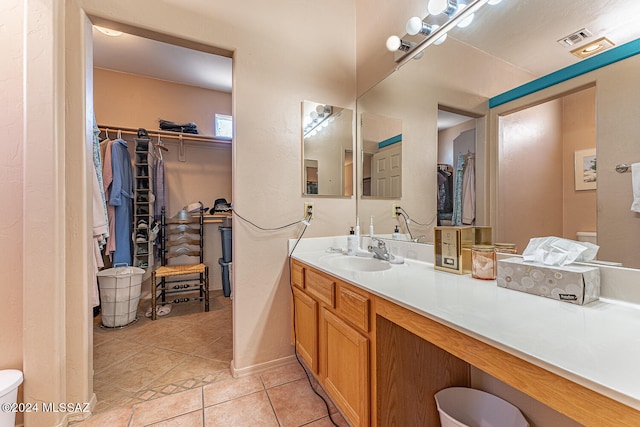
[(571, 283)]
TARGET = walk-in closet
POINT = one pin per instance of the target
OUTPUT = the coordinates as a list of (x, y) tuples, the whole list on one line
[(169, 107)]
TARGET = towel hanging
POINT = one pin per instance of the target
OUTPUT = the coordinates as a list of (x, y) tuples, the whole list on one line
[(635, 182)]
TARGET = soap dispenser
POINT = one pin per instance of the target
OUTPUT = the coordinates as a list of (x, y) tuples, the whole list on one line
[(396, 234), (352, 243)]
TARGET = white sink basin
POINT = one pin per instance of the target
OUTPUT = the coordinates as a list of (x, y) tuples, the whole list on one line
[(352, 263)]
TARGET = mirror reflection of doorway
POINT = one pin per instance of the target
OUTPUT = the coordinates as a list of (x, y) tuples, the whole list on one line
[(456, 168), (311, 176), (538, 149)]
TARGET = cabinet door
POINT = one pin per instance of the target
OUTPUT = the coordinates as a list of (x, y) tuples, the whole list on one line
[(305, 328), (344, 358)]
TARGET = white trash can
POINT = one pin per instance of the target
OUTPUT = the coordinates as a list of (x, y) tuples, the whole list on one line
[(467, 407), (119, 295)]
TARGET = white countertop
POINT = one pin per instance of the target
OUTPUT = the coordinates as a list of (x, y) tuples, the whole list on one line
[(596, 345)]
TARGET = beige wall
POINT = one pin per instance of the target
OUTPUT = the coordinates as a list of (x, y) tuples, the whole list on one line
[(130, 100), (578, 133)]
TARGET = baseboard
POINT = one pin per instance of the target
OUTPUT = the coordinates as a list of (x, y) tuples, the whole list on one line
[(259, 368)]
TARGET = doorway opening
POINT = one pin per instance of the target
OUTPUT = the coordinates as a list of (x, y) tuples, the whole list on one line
[(137, 82), (543, 183), (456, 167)]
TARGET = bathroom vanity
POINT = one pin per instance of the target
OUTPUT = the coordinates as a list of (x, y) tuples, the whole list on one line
[(383, 339)]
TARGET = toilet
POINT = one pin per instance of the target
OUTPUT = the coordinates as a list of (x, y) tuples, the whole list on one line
[(587, 236), (10, 380)]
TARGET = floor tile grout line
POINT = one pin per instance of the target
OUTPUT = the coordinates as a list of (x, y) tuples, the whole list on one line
[(275, 413)]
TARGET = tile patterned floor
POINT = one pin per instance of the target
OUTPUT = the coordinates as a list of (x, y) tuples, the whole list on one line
[(175, 372)]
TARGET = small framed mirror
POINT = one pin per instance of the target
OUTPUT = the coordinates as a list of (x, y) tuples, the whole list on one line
[(327, 150)]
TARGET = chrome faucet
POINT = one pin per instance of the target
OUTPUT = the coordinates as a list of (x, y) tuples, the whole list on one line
[(380, 251)]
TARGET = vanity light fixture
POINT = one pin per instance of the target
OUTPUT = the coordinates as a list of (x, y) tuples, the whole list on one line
[(459, 12), (317, 120), (592, 48), (108, 31)]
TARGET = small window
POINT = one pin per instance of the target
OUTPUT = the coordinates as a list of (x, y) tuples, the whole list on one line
[(224, 126)]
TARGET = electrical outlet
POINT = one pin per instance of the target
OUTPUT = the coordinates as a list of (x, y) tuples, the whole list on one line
[(308, 210), (395, 210)]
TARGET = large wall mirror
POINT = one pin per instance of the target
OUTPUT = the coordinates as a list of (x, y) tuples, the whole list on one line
[(327, 150), (519, 190)]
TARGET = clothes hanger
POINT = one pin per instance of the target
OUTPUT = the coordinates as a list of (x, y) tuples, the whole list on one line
[(119, 134), (181, 155), (160, 147), (106, 133)]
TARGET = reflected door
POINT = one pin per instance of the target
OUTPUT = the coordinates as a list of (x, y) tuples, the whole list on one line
[(387, 172)]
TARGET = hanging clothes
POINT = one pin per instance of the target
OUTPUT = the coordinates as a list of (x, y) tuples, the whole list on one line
[(100, 220), (469, 191), (107, 175), (457, 192), (159, 189), (100, 229), (97, 164), (121, 196)]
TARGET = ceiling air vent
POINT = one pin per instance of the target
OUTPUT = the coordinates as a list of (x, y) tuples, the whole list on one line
[(575, 38)]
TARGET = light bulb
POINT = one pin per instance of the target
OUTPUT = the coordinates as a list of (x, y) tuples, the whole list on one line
[(313, 115), (414, 25), (419, 55), (436, 7), (492, 2), (448, 7), (466, 21), (393, 43), (440, 40), (325, 124)]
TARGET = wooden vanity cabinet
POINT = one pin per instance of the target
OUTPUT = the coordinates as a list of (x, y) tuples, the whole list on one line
[(332, 324), (305, 333)]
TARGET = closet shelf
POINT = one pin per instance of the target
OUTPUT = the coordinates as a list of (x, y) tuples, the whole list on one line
[(166, 134)]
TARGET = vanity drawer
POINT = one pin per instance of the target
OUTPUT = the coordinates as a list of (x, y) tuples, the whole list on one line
[(320, 287), (353, 307), (297, 275)]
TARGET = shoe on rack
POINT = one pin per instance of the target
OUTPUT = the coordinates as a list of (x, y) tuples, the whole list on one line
[(142, 224), (141, 237), (142, 198)]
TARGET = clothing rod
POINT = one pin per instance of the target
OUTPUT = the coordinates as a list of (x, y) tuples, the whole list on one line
[(165, 134)]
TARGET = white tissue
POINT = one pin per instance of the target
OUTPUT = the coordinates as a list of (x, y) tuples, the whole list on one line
[(558, 251), (635, 182)]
